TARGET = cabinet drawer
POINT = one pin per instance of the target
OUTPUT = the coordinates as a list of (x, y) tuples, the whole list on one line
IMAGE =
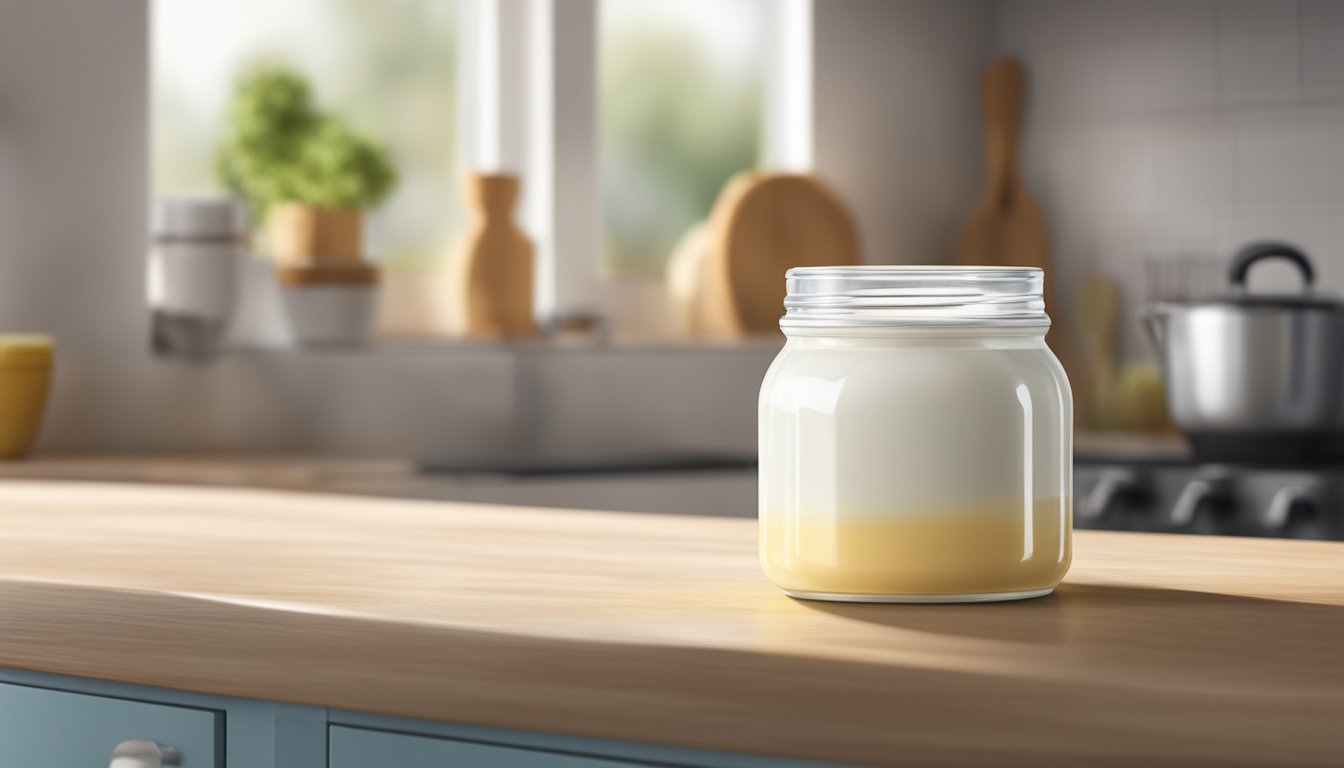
[(361, 748), (60, 729)]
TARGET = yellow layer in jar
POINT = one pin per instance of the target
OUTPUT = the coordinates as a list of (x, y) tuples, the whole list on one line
[(953, 551)]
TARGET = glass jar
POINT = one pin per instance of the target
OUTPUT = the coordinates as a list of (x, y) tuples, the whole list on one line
[(916, 438)]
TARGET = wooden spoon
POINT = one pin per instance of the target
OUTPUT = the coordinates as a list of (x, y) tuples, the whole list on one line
[(1006, 228)]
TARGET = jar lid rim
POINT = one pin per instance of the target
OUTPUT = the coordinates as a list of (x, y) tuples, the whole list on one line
[(961, 271), (906, 295)]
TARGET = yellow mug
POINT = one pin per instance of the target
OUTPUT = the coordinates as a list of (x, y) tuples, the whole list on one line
[(25, 379)]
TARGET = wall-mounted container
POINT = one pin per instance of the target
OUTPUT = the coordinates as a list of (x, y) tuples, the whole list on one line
[(916, 438), (198, 247), (25, 378)]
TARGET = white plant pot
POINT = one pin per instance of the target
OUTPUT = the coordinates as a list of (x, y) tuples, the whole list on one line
[(331, 313), (261, 320)]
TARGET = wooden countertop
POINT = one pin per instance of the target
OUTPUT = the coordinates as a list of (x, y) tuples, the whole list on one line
[(1158, 649), (278, 472)]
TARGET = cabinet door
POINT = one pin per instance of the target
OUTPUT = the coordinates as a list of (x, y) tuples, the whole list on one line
[(43, 728), (360, 748)]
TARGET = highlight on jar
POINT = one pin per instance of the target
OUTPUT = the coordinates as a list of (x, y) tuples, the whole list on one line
[(916, 438)]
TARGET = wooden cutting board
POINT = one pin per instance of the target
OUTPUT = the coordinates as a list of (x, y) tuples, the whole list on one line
[(763, 224)]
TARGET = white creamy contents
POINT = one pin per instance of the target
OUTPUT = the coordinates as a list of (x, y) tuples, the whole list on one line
[(948, 449)]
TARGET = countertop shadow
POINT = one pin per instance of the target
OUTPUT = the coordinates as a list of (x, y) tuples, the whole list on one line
[(1107, 616)]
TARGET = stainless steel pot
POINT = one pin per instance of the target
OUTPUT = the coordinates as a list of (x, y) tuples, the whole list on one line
[(1254, 377)]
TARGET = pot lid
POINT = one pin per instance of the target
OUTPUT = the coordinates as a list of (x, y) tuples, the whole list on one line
[(1307, 298)]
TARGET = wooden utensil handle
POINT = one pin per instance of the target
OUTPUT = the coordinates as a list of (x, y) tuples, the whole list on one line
[(1003, 90)]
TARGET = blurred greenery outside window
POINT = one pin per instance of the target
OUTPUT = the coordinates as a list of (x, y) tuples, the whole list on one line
[(680, 94), (389, 67)]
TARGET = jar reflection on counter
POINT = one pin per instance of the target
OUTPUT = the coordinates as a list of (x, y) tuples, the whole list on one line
[(915, 438)]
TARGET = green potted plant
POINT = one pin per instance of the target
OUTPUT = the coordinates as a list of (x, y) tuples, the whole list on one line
[(306, 175)]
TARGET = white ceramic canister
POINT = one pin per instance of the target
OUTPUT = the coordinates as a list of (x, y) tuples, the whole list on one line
[(915, 438), (331, 305), (199, 244)]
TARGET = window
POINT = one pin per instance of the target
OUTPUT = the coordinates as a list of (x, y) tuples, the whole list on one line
[(624, 118), (387, 66), (680, 114)]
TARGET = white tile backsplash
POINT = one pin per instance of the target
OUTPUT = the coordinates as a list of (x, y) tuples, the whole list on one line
[(1062, 88), (1194, 177), (1286, 167), (1122, 185), (1127, 75), (1322, 14), (1121, 22), (1323, 61), (1184, 72), (1182, 126), (1242, 16), (1257, 69), (1185, 19), (1050, 24)]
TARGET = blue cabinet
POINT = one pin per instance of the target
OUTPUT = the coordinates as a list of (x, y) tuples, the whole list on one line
[(61, 729), (56, 721), (361, 748)]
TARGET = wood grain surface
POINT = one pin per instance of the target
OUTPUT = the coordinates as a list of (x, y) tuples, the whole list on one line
[(1158, 650)]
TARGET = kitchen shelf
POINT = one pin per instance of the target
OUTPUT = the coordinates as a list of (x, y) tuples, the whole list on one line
[(399, 347)]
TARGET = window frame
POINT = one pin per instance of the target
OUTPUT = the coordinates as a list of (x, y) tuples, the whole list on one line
[(528, 105)]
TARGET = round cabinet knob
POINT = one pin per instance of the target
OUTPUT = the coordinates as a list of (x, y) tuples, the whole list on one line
[(143, 753)]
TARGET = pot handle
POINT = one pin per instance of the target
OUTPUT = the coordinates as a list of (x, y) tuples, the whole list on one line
[(1250, 254), (1151, 319)]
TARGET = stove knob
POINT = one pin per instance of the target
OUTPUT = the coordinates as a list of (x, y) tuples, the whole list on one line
[(1114, 484), (1278, 514), (1198, 501)]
